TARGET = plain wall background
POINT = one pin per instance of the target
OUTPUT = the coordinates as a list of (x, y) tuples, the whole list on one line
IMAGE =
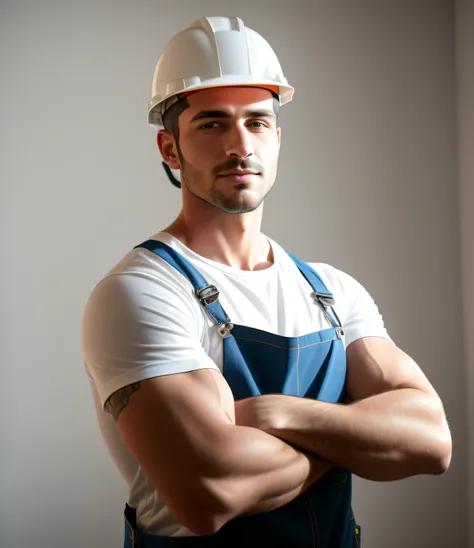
[(465, 95), (367, 182)]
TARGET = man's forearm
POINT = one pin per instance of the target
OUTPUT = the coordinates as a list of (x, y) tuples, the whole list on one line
[(318, 467), (385, 437), (261, 472)]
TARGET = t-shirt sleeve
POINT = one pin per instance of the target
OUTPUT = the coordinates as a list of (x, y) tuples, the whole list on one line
[(136, 327), (355, 307)]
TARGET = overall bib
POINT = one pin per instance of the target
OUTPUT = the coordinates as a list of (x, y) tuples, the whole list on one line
[(256, 362)]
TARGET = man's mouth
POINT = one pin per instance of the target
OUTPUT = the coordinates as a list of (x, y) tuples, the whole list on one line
[(237, 173)]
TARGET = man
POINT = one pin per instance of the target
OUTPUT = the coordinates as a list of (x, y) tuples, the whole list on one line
[(237, 387)]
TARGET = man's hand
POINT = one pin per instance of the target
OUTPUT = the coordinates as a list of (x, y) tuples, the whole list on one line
[(262, 412), (266, 413)]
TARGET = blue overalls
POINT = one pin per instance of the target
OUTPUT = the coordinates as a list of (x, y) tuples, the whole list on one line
[(256, 362)]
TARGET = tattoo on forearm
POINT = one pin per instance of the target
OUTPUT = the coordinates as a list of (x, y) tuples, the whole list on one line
[(118, 401)]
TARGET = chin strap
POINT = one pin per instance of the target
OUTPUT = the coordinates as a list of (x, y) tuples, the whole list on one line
[(175, 182)]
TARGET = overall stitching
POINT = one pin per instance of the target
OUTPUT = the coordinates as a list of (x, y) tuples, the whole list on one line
[(285, 347)]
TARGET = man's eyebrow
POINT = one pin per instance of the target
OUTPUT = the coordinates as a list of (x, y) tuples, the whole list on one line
[(210, 114), (223, 114), (260, 114)]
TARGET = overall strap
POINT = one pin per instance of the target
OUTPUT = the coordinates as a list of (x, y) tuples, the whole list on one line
[(321, 293), (207, 295)]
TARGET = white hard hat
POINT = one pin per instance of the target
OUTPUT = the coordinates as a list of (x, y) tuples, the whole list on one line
[(214, 51)]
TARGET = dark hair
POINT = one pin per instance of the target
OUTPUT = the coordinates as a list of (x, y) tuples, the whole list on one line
[(171, 117)]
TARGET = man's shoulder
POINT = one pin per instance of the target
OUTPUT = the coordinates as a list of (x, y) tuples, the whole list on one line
[(330, 272), (336, 280), (139, 275), (342, 285)]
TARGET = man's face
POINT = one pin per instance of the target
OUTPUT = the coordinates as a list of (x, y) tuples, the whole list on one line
[(229, 144)]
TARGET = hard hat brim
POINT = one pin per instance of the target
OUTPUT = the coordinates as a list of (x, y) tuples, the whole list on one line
[(156, 111)]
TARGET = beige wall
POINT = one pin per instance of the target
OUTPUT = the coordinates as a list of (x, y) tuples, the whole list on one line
[(465, 96), (367, 182)]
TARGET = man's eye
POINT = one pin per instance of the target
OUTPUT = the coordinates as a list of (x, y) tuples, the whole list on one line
[(209, 125), (257, 124)]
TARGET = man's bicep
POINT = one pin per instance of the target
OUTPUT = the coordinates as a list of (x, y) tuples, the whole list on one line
[(171, 424), (188, 404), (119, 400), (376, 365)]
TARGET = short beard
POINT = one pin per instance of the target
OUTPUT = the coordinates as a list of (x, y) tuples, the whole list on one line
[(219, 200), (222, 203)]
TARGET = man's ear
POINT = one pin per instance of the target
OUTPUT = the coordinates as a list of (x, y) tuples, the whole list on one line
[(167, 145)]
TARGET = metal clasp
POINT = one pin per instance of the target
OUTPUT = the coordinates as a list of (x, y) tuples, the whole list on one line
[(208, 295), (225, 329), (326, 299)]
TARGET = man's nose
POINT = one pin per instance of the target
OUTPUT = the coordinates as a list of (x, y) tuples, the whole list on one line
[(240, 142)]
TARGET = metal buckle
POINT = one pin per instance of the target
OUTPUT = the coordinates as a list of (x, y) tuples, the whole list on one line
[(326, 299), (225, 329), (208, 295)]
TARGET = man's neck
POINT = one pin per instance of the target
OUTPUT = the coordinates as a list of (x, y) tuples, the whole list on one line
[(232, 240)]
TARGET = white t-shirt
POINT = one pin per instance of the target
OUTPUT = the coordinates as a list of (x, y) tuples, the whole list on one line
[(143, 320)]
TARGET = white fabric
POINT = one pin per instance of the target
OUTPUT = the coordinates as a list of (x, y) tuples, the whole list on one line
[(143, 320)]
